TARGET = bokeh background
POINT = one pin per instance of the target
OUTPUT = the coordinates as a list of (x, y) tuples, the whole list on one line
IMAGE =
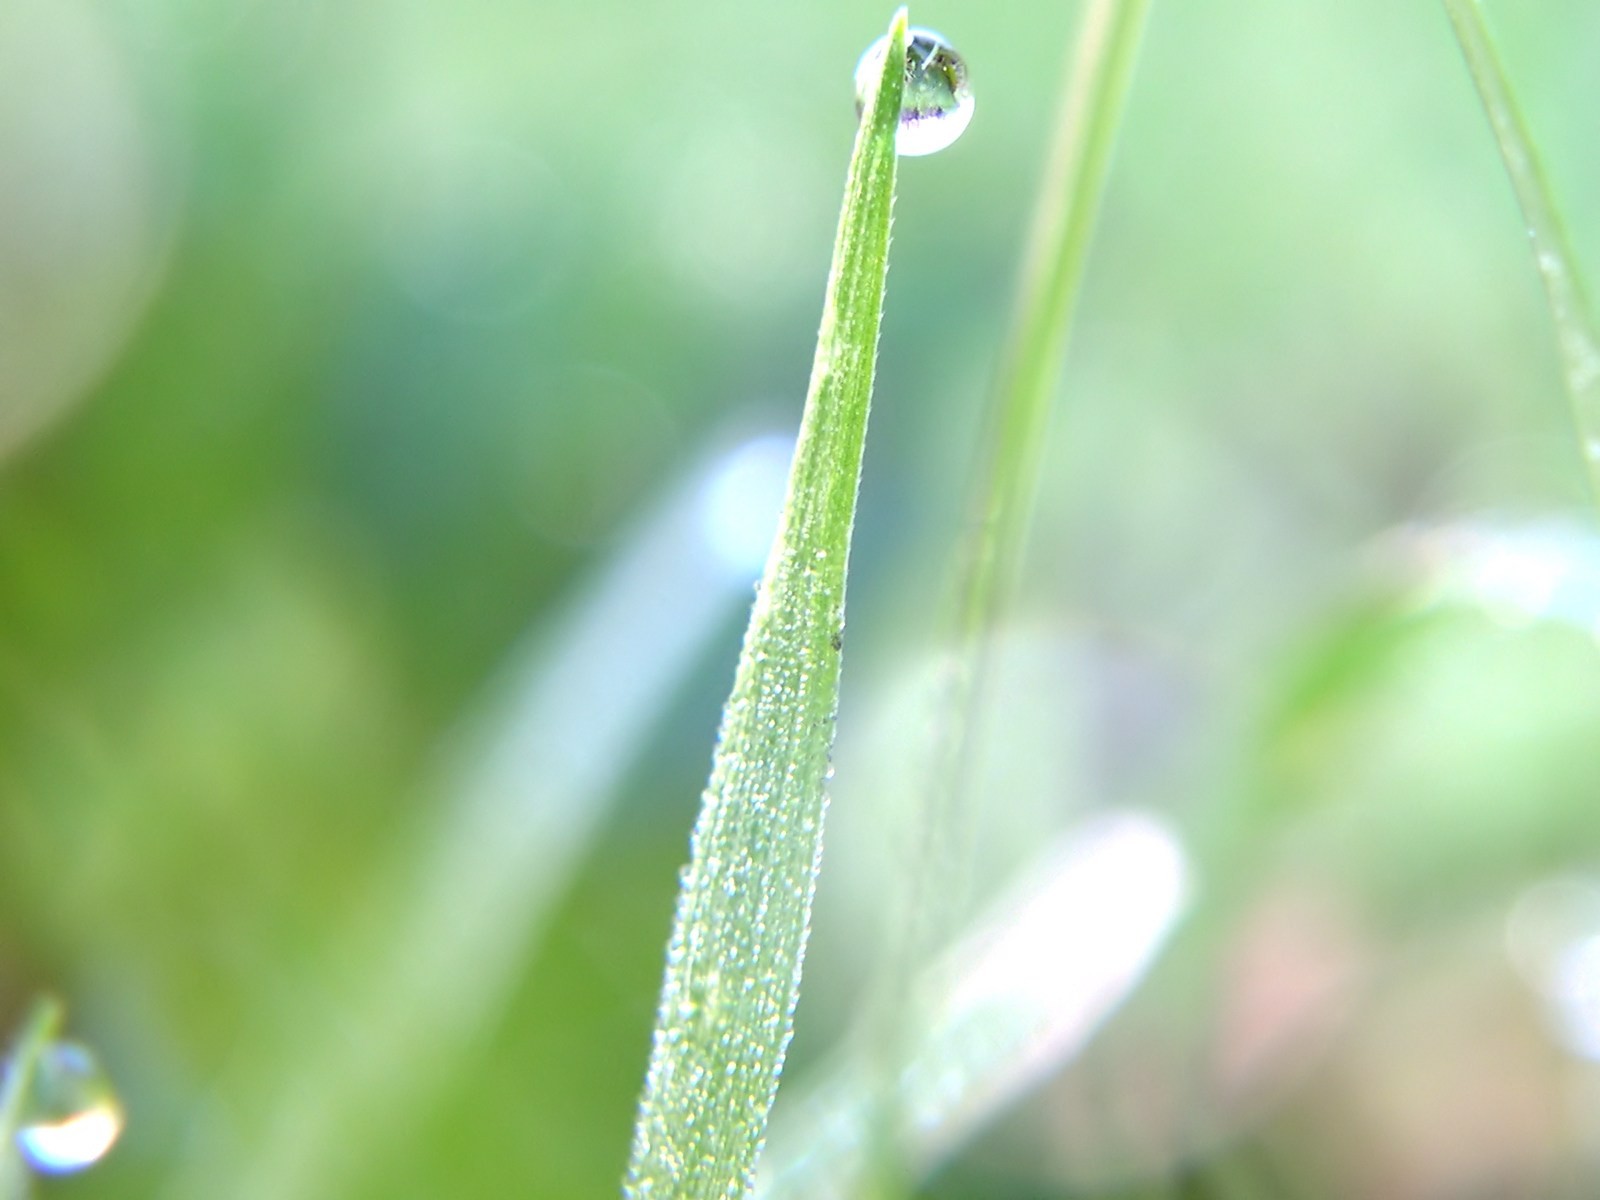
[(368, 379)]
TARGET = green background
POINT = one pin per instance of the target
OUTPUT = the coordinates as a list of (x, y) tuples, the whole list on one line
[(340, 343)]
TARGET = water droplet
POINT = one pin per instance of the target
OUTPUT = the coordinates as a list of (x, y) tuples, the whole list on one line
[(73, 1116), (938, 101)]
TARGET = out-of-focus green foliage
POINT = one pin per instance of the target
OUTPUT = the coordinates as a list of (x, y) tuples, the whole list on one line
[(341, 344), (1576, 332)]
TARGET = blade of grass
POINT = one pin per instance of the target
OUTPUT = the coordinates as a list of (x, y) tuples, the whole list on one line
[(733, 964), (1552, 252), (524, 785), (1016, 998), (1098, 72), (39, 1028)]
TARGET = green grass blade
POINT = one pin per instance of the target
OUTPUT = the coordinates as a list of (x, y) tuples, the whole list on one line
[(994, 1020), (1098, 75), (41, 1027), (1098, 72), (733, 963), (1552, 252)]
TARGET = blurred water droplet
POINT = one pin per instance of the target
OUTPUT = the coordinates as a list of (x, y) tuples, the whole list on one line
[(73, 1116), (938, 102)]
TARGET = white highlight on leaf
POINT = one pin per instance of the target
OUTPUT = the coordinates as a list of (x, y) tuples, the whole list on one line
[(1014, 1001)]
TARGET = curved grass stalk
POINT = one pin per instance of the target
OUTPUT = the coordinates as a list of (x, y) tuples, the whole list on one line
[(1098, 72), (733, 964), (1552, 251)]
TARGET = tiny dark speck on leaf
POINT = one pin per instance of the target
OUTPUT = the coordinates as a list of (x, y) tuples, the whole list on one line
[(838, 639)]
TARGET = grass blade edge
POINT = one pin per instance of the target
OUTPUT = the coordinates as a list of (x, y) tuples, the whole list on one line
[(733, 962)]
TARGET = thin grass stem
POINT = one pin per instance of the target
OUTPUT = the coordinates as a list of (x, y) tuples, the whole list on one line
[(1552, 251), (1098, 72), (39, 1028)]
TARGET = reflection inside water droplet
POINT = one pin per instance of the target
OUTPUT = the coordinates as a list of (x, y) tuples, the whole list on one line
[(938, 100), (72, 1116)]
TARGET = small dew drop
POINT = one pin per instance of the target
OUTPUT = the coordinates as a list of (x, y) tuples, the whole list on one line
[(938, 100), (73, 1116)]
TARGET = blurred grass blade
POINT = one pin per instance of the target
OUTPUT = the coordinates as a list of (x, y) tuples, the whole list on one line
[(1097, 77), (1552, 252), (733, 964), (1098, 71), (1019, 996), (39, 1028), (524, 788)]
